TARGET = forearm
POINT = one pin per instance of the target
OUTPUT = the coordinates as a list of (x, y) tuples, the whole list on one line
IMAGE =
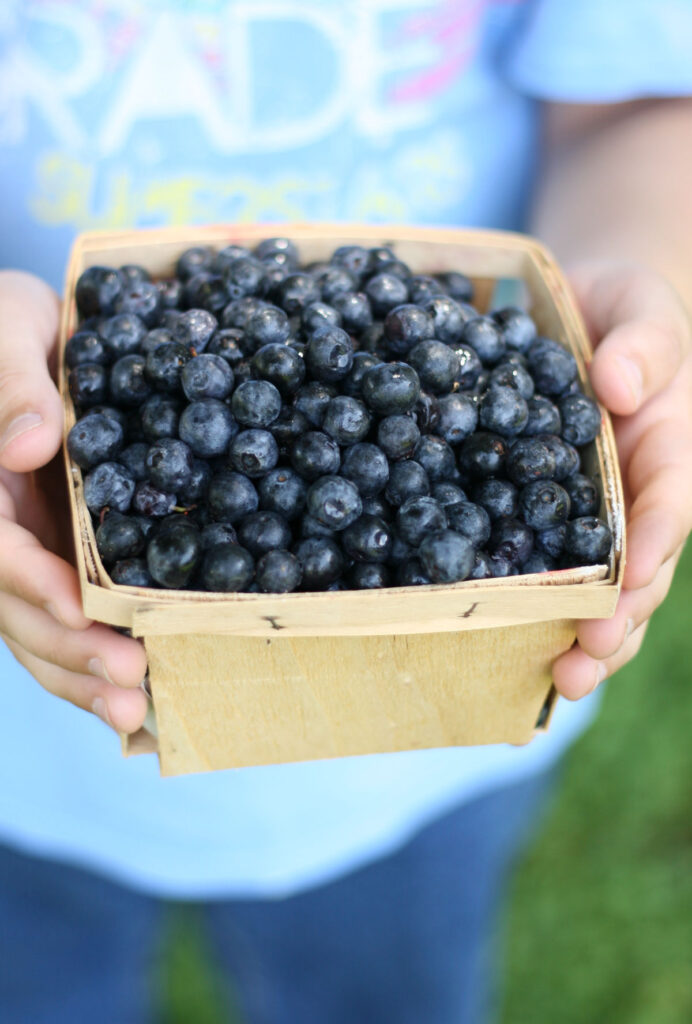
[(615, 183)]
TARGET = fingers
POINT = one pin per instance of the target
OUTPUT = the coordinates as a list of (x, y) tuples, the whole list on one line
[(38, 577), (31, 416), (97, 651), (602, 638), (639, 325), (576, 674), (123, 709)]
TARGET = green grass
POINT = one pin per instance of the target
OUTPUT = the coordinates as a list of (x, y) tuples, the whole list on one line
[(599, 927)]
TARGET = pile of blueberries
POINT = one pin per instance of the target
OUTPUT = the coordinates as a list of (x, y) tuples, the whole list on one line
[(254, 425)]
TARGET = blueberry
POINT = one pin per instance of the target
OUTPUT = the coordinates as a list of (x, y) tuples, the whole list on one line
[(169, 464), (296, 292), (282, 490), (128, 381), (86, 347), (195, 329), (329, 354), (231, 496), (353, 258), (512, 374), (150, 501), (538, 561), (346, 420), (583, 495), (567, 461), (159, 417), (244, 276), (369, 576), (511, 539), (192, 261), (448, 319), (355, 311), (529, 459), (553, 368), (372, 340), (458, 418), (375, 505), (471, 520), (206, 376), (587, 541), (108, 485), (264, 531), (98, 290), (217, 533), (256, 403), (268, 326), (422, 288), (498, 497), (312, 400), (269, 248), (398, 436), (134, 459), (446, 493), (93, 439), (227, 568), (321, 560), (393, 266), (131, 572), (503, 411), (518, 329), (253, 452), (319, 314), (379, 256), (288, 426), (552, 540), (311, 527), (368, 539), (333, 281), (164, 366), (229, 344), (228, 255), (391, 388), (278, 572), (446, 556), (412, 574), (352, 383), (315, 454), (334, 501), (435, 456), (238, 312), (366, 466), (426, 412), (207, 292), (142, 299), (171, 290), (482, 567), (122, 334), (581, 419), (405, 327), (407, 479), (197, 486), (482, 454), (155, 337), (385, 292), (543, 504), (485, 337), (119, 536), (281, 365), (437, 365), (459, 286), (544, 417), (419, 516), (88, 384)]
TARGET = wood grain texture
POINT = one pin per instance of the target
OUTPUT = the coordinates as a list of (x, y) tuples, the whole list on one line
[(297, 699), (253, 679)]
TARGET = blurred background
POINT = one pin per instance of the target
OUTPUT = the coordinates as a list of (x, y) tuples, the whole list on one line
[(600, 919)]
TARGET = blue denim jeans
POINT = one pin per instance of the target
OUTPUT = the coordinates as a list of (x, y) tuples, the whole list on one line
[(408, 939)]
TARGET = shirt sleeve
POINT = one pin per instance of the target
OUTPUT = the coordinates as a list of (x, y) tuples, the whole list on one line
[(604, 51)]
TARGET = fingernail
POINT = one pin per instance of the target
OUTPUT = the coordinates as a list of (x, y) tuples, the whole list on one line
[(100, 709), (97, 668), (629, 627), (632, 376), (20, 425), (601, 673)]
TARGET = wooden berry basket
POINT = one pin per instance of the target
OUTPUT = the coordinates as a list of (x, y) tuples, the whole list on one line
[(250, 679)]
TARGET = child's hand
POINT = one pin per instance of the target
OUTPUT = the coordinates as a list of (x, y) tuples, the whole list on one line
[(41, 617), (642, 372)]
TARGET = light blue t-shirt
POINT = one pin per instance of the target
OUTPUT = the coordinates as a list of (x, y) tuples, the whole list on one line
[(117, 113)]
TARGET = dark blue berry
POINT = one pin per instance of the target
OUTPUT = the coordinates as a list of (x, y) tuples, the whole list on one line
[(458, 417), (529, 459), (446, 493), (518, 329), (513, 375), (321, 560), (264, 531), (471, 520), (553, 368), (482, 454), (544, 417), (169, 464), (86, 347), (552, 540), (231, 496), (567, 461), (503, 411), (312, 400), (131, 572), (538, 561), (419, 516), (512, 539), (283, 490), (369, 576), (446, 556), (498, 497), (346, 420), (142, 299), (437, 365), (151, 502), (281, 365), (195, 329), (583, 495), (543, 504), (164, 366), (581, 419), (119, 536), (128, 382), (206, 376), (192, 261), (391, 388), (407, 479), (435, 456), (315, 454), (227, 568), (329, 354), (366, 466), (296, 292), (483, 335), (278, 572), (108, 485), (412, 574), (368, 539), (385, 292), (317, 315), (159, 417), (448, 319), (355, 311), (268, 326), (93, 439), (587, 541), (334, 501), (122, 335), (88, 384), (406, 326), (134, 459), (288, 426), (253, 452), (256, 403), (398, 436), (98, 289), (229, 344), (217, 533)]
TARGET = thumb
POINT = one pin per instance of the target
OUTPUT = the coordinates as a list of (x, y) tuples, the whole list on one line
[(31, 414)]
